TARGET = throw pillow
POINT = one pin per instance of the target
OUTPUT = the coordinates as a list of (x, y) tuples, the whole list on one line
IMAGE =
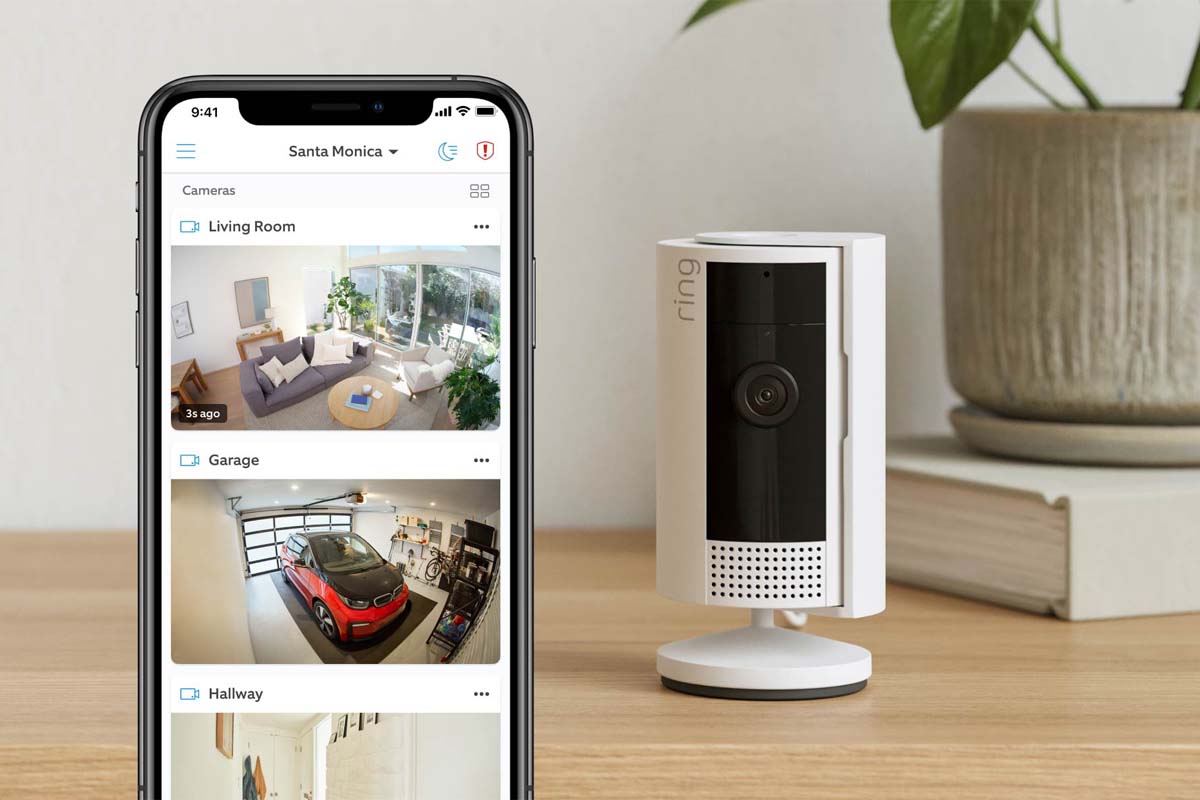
[(442, 369), (328, 355), (324, 337), (284, 352), (346, 341), (264, 381), (274, 371), (294, 367)]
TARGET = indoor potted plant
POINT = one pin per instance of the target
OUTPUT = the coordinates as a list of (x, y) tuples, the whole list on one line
[(347, 303), (1071, 288), (474, 397)]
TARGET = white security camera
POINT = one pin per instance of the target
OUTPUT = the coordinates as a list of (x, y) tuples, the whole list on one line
[(771, 454)]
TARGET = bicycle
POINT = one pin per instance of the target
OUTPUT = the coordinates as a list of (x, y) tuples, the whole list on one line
[(439, 562)]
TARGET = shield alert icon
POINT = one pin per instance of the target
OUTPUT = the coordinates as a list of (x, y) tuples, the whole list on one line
[(484, 150)]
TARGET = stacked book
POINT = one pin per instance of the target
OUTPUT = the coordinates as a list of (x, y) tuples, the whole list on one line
[(359, 401), (1074, 541)]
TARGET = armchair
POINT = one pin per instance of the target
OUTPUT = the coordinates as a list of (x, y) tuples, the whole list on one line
[(425, 368)]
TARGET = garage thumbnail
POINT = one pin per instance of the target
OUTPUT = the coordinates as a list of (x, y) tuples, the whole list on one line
[(335, 571)]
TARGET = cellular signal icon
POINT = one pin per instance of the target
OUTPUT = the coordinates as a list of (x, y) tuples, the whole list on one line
[(444, 112)]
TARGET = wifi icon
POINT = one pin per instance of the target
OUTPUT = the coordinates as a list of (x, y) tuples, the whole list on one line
[(462, 110)]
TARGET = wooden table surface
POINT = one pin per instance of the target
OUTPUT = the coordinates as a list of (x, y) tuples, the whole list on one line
[(967, 700), (382, 408)]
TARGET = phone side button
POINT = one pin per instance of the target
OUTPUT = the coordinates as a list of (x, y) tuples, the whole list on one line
[(533, 303), (137, 340), (137, 267)]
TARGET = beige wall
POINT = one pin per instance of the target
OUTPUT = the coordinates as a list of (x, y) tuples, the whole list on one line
[(198, 770), (208, 592), (456, 756), (776, 115), (205, 276)]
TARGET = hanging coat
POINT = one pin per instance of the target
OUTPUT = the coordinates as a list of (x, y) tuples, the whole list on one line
[(260, 782), (249, 791)]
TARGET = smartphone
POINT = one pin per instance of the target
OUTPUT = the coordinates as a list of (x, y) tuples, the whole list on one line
[(335, 335)]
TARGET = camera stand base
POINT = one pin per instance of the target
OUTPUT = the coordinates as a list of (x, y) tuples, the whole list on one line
[(763, 662), (763, 694)]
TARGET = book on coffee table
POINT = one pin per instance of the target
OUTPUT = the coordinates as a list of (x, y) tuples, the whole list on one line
[(1076, 542), (359, 401)]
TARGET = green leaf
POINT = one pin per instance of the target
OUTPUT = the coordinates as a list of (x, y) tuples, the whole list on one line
[(710, 7), (474, 397), (948, 46)]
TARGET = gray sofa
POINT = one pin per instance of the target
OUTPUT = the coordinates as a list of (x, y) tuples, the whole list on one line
[(264, 399)]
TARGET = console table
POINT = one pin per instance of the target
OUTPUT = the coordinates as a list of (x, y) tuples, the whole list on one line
[(261, 336)]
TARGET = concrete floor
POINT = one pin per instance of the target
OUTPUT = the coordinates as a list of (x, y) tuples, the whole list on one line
[(276, 639)]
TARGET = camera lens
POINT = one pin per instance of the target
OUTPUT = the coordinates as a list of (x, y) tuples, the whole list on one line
[(377, 106), (766, 395)]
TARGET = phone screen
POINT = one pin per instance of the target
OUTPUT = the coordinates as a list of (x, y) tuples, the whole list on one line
[(336, 421)]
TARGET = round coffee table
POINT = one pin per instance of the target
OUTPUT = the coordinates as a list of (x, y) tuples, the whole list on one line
[(382, 409)]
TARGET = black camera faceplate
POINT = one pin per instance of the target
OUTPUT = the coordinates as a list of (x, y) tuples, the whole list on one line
[(766, 474)]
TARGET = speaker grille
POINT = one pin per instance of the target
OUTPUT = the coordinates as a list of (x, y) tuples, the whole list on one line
[(757, 575)]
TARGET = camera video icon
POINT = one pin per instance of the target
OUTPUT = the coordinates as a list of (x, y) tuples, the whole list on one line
[(189, 226), (189, 694), (189, 460)]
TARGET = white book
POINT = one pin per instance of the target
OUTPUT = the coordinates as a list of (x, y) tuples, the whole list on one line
[(1077, 542)]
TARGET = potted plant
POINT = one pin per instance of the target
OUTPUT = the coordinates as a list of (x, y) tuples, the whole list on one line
[(474, 398), (1071, 286), (347, 303)]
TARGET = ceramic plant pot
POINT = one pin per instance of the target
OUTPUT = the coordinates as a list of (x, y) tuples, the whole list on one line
[(1071, 251)]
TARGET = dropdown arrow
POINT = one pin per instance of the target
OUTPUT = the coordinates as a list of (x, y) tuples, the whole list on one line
[(393, 152)]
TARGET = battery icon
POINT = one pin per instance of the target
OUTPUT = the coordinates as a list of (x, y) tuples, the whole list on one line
[(485, 111)]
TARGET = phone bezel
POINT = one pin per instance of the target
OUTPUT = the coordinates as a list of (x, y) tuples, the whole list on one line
[(294, 94)]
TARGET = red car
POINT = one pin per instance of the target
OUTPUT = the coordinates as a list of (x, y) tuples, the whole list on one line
[(351, 590)]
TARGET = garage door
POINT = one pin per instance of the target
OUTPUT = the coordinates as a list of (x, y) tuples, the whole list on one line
[(261, 536)]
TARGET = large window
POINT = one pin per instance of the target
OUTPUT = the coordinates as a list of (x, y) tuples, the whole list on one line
[(262, 536), (317, 282), (396, 305), (455, 307), (366, 280), (484, 314), (443, 303)]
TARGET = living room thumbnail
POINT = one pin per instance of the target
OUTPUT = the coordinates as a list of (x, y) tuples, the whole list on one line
[(335, 337)]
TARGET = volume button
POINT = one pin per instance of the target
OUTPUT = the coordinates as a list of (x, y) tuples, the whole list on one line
[(137, 340), (533, 303), (845, 396), (137, 267)]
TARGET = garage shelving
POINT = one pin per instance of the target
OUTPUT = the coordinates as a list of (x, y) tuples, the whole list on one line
[(473, 572)]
